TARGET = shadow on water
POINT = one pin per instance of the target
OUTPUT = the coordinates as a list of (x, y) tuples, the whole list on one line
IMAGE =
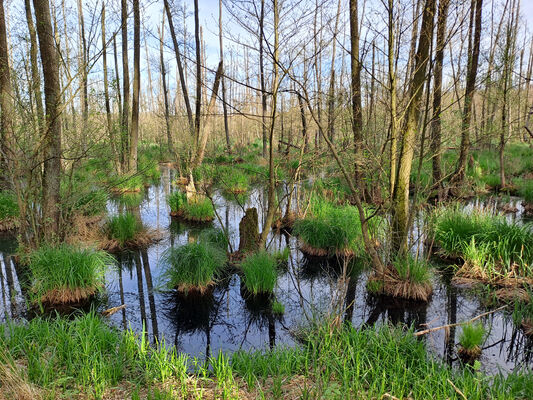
[(228, 319)]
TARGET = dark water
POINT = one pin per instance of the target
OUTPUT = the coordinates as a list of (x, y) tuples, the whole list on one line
[(226, 320)]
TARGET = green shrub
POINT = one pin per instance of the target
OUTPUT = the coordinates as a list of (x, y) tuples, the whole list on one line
[(8, 206), (65, 273), (193, 266), (259, 273), (123, 227)]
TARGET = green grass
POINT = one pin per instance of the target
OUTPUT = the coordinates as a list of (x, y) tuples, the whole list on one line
[(233, 179), (199, 210), (176, 200), (278, 308), (193, 266), (92, 203), (65, 267), (127, 183), (65, 357), (488, 242), (373, 363), (149, 169), (123, 227), (8, 206), (214, 236), (416, 271), (259, 273), (472, 336), (525, 189), (332, 228)]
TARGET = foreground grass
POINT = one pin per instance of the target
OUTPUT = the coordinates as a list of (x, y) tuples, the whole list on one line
[(64, 359)]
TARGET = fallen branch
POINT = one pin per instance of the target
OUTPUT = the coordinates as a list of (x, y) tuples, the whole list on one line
[(420, 333), (113, 310)]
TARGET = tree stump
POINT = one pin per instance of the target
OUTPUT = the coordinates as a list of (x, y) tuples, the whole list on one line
[(249, 232)]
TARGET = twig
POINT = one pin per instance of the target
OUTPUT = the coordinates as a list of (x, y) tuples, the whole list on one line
[(420, 333), (113, 310), (457, 389)]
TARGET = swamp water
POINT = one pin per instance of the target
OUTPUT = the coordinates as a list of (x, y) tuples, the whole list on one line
[(226, 320)]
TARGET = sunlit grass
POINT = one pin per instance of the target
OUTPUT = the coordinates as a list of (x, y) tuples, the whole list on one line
[(65, 273), (259, 273)]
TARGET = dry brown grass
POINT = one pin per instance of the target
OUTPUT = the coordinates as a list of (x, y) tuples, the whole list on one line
[(90, 230), (14, 383), (527, 327), (394, 286), (68, 295), (316, 252), (286, 222), (512, 294), (469, 355), (471, 273), (9, 224)]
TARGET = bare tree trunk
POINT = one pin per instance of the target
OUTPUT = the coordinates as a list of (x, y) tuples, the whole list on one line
[(52, 133), (262, 76), (35, 76), (473, 57), (165, 91), (126, 89), (437, 95), (109, 121), (84, 100), (224, 105), (134, 136), (271, 178), (400, 207), (117, 82), (198, 102), (331, 91), (181, 71), (357, 114), (393, 100)]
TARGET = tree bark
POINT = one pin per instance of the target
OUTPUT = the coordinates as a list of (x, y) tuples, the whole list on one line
[(400, 206), (134, 135), (471, 74), (52, 133), (357, 114), (437, 96)]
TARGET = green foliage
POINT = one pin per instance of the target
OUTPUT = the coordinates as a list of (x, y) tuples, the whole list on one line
[(200, 209), (92, 203), (127, 183), (233, 179), (123, 227), (192, 266), (259, 273), (86, 354), (176, 200), (278, 308), (216, 237), (8, 206), (149, 170), (413, 270), (472, 336), (492, 242), (375, 362), (525, 189), (332, 228), (204, 173), (66, 267)]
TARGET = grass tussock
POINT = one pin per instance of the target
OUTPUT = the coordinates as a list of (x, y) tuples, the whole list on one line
[(259, 273), (494, 250), (197, 209), (331, 230), (406, 278), (124, 231), (233, 180), (470, 341), (66, 274), (192, 267)]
